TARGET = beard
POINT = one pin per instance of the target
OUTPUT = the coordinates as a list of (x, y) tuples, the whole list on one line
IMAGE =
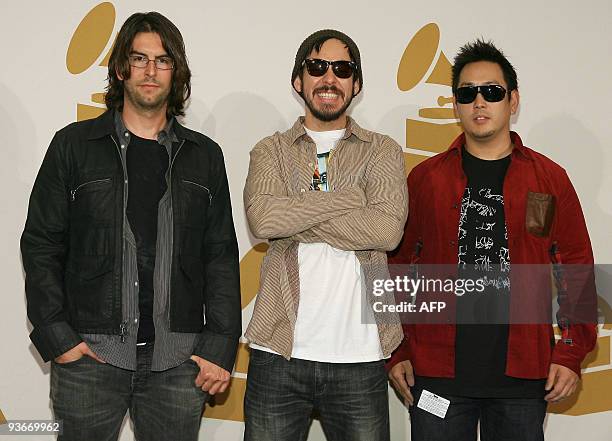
[(144, 103), (483, 134), (327, 113)]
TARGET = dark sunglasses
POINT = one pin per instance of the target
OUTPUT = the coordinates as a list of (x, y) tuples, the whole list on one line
[(492, 93), (341, 68)]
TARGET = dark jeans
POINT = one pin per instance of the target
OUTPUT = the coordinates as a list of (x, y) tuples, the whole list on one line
[(501, 419), (92, 399), (350, 398)]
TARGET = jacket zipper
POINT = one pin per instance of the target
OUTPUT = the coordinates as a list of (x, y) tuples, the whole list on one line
[(73, 192), (201, 186), (172, 220), (123, 326), (123, 331)]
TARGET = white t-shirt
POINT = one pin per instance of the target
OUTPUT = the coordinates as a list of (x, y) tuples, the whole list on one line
[(330, 327)]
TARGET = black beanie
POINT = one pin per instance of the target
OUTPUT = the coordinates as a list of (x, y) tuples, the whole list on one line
[(320, 37)]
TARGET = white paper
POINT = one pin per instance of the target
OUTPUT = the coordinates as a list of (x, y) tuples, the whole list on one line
[(433, 404)]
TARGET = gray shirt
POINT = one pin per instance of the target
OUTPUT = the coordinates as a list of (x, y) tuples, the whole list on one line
[(171, 348)]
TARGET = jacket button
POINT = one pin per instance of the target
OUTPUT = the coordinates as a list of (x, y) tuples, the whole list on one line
[(452, 242), (455, 206)]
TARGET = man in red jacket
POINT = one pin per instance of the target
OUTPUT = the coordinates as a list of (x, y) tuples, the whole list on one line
[(488, 204)]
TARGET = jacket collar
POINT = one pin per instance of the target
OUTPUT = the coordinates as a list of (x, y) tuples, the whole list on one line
[(352, 128), (104, 125), (519, 148)]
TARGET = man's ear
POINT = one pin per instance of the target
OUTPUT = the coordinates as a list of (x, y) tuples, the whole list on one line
[(514, 101), (297, 84), (356, 87)]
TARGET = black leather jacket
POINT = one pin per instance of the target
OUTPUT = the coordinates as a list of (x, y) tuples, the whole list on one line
[(72, 242)]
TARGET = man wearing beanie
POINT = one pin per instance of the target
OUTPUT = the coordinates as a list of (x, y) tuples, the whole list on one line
[(330, 197)]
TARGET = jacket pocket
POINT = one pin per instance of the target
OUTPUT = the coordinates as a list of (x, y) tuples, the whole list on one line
[(194, 200), (89, 186), (201, 187), (92, 202), (89, 287), (540, 213)]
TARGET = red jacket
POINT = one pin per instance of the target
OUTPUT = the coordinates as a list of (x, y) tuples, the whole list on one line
[(436, 188)]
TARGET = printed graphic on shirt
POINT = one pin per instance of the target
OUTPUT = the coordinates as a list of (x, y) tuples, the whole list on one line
[(319, 178), (483, 236)]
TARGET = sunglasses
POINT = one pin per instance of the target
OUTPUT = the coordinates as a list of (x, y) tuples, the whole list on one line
[(341, 68), (492, 93)]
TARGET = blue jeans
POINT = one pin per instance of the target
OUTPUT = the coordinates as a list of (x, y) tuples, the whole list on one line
[(350, 398), (501, 419), (92, 399)]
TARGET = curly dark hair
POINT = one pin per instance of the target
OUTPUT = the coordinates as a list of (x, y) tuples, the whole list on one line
[(171, 39), (481, 50)]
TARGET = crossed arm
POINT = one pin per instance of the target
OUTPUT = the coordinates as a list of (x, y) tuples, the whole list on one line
[(351, 218)]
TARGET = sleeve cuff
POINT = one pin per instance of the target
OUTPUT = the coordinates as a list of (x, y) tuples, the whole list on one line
[(562, 355), (400, 354), (53, 340), (218, 349)]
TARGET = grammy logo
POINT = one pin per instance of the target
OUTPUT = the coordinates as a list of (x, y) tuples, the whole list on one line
[(438, 126), (86, 46)]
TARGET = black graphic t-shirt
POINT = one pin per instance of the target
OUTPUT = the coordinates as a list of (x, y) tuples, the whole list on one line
[(482, 317)]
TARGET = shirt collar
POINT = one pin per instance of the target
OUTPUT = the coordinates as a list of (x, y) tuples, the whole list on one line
[(352, 128), (519, 148), (165, 135), (110, 122)]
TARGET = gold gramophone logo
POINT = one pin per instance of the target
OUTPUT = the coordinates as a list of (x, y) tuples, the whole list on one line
[(424, 62), (87, 46)]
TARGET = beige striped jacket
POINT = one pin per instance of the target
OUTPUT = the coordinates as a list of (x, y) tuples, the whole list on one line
[(365, 211)]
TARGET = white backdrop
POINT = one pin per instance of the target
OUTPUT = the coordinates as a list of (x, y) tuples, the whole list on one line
[(241, 54)]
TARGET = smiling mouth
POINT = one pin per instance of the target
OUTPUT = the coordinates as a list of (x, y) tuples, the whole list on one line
[(328, 94)]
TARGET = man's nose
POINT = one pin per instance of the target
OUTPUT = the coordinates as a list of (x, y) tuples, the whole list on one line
[(151, 68), (479, 101), (329, 77)]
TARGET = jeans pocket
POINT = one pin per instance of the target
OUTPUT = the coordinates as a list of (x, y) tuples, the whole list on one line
[(74, 362), (261, 358)]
